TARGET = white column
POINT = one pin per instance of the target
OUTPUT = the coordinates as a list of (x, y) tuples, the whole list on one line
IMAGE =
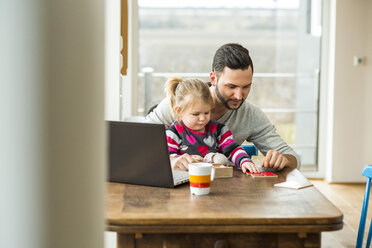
[(130, 82), (52, 123), (76, 114), (23, 166), (113, 60)]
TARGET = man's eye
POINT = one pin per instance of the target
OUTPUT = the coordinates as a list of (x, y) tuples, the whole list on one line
[(206, 113)]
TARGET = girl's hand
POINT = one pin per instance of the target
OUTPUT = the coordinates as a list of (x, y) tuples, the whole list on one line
[(249, 166), (182, 162)]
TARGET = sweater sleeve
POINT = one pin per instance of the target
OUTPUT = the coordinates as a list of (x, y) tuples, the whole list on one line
[(231, 149), (174, 142), (161, 114), (266, 138), (250, 123)]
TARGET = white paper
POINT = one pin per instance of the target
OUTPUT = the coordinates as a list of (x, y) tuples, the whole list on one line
[(295, 180)]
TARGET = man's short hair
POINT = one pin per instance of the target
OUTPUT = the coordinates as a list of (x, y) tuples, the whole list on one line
[(232, 55)]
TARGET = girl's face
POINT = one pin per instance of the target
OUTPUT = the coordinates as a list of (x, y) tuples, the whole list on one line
[(196, 117)]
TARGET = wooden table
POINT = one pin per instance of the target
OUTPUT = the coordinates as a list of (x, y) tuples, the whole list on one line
[(239, 212)]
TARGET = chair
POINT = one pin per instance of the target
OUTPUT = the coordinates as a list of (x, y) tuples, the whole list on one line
[(367, 172), (251, 150)]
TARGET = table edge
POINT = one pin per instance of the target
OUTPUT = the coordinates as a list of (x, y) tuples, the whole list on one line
[(224, 229)]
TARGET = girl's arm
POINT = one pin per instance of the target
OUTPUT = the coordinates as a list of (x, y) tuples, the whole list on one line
[(228, 146), (174, 142), (178, 159)]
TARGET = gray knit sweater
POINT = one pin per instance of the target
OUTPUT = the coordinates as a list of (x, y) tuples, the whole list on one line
[(247, 123)]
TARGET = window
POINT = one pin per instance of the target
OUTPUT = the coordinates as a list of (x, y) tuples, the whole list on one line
[(283, 37)]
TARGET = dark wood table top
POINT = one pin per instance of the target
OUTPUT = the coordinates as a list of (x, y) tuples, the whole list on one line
[(241, 203)]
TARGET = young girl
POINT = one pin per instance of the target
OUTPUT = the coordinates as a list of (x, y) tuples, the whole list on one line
[(193, 132)]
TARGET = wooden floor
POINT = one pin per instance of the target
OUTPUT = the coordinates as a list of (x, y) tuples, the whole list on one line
[(348, 197)]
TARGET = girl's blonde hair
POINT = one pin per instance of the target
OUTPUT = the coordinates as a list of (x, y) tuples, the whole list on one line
[(184, 94)]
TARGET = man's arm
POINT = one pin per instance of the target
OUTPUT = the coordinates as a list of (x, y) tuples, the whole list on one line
[(161, 114), (278, 154), (292, 161)]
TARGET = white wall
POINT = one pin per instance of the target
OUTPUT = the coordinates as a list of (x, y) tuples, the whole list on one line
[(367, 94), (52, 146), (351, 84)]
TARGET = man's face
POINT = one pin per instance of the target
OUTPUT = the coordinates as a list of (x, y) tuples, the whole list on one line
[(232, 86)]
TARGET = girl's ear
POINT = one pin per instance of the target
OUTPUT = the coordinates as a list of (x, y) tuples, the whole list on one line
[(177, 110), (178, 113)]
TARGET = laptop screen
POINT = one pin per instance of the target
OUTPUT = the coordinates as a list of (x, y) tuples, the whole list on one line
[(138, 154)]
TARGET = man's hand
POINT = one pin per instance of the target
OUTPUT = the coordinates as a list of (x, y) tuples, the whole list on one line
[(182, 162), (275, 159)]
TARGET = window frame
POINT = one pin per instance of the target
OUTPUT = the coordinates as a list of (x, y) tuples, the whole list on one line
[(129, 83)]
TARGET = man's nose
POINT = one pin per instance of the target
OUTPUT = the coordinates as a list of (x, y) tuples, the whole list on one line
[(238, 94)]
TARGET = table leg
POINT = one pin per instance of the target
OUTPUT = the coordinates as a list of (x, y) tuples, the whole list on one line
[(312, 240), (125, 240), (306, 240)]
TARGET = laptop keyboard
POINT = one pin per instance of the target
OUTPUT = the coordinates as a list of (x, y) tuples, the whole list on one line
[(180, 177)]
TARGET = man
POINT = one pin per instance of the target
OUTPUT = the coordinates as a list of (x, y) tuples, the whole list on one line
[(231, 81)]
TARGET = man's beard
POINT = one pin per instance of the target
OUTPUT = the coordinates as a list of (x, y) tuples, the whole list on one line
[(225, 102)]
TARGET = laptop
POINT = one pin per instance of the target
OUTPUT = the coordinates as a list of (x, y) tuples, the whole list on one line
[(138, 154)]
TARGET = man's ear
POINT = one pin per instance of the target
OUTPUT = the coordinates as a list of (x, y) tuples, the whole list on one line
[(213, 78)]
